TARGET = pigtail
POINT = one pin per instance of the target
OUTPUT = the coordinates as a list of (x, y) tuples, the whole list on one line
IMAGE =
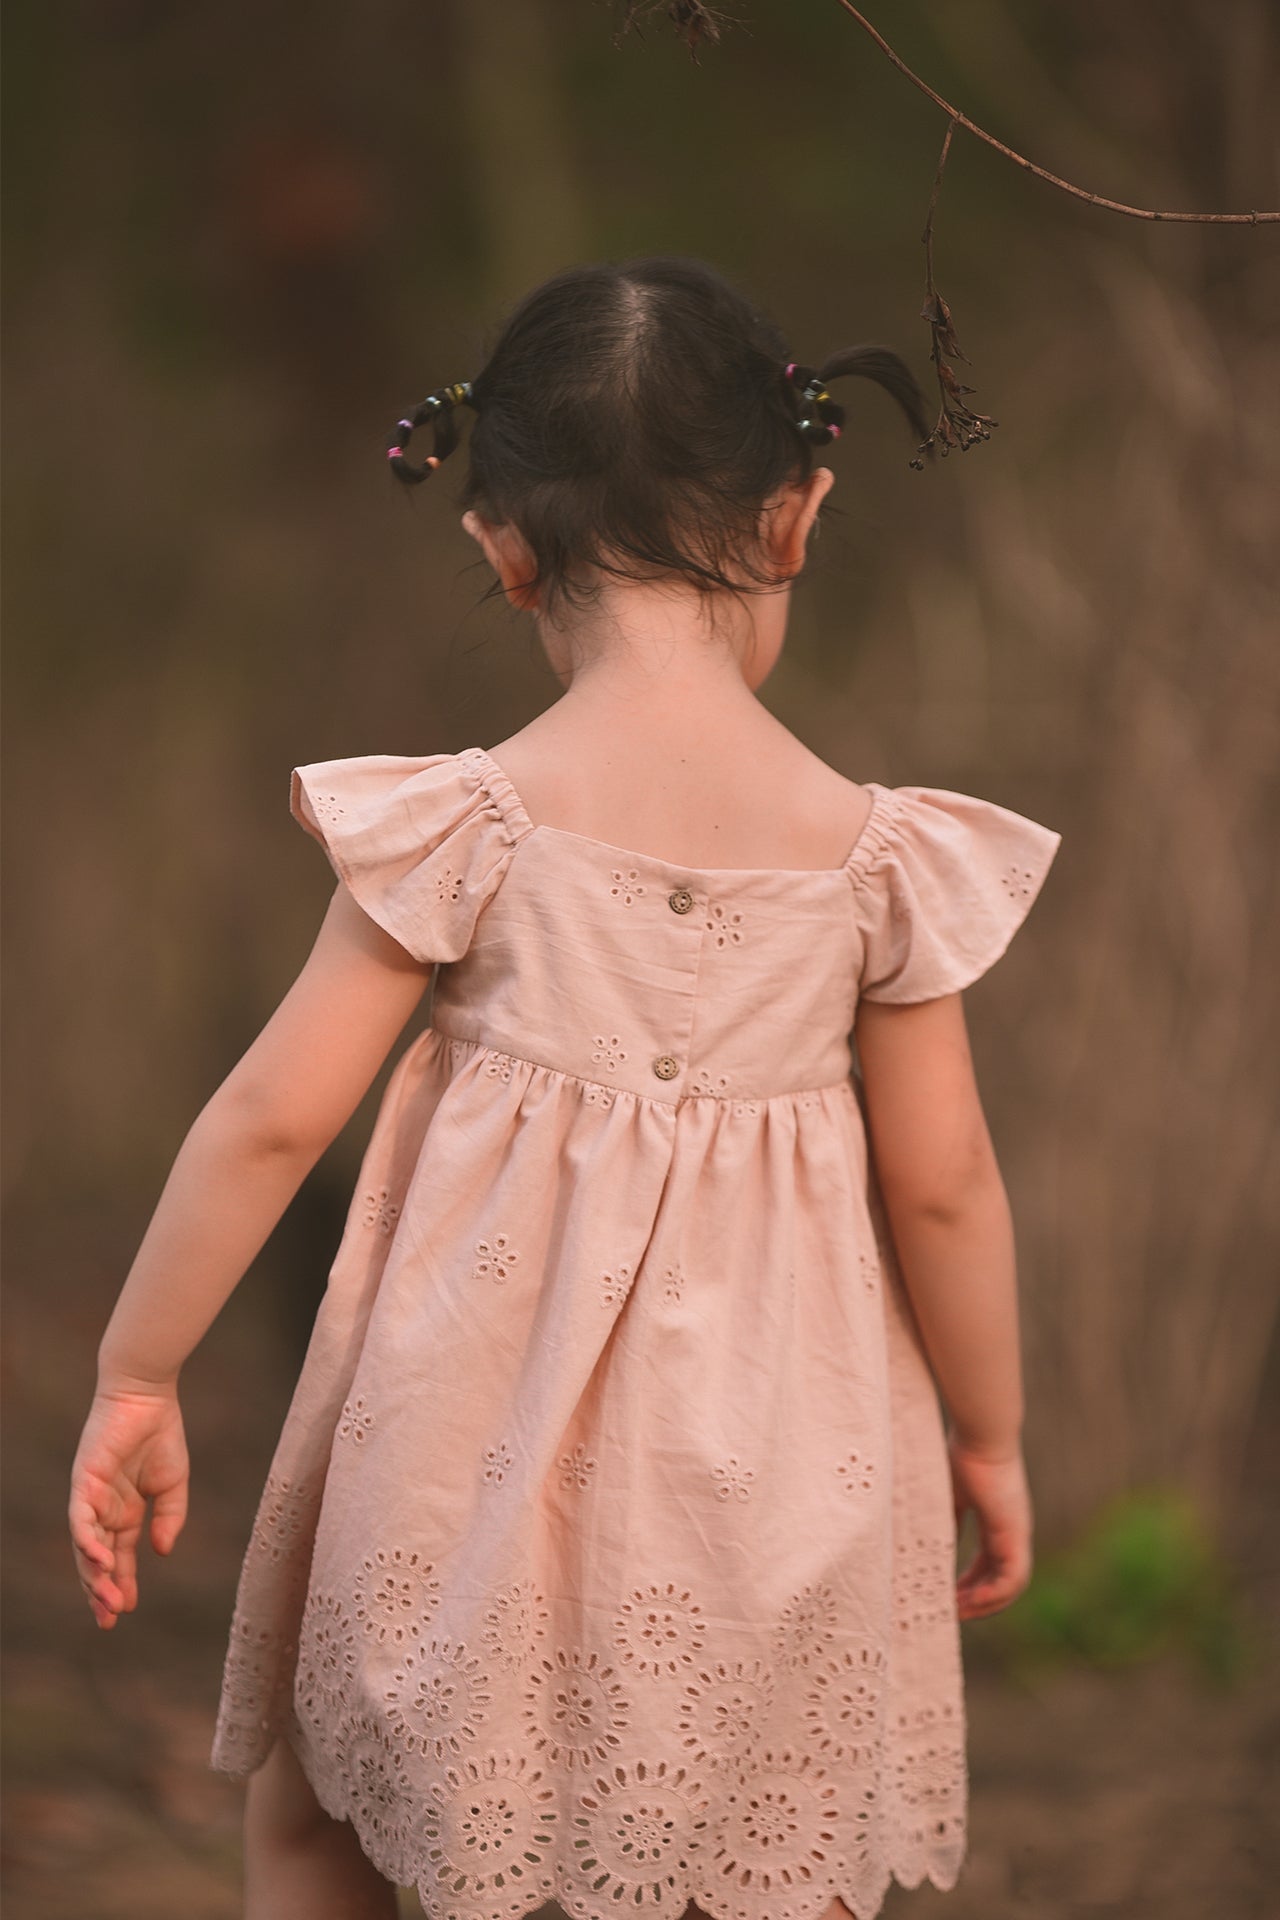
[(439, 411), (822, 419)]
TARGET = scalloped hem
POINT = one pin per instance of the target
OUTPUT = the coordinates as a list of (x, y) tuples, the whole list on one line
[(550, 1886)]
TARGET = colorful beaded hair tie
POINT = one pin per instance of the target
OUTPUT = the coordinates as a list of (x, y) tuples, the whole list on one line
[(822, 420), (435, 411)]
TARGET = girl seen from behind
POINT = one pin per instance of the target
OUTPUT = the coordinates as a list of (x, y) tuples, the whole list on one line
[(607, 1555)]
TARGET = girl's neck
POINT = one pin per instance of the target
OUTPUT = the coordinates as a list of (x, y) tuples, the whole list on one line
[(664, 656)]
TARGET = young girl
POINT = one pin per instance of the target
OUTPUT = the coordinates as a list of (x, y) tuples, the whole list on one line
[(608, 1552)]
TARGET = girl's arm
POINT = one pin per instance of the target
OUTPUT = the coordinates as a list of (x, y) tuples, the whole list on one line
[(953, 1236), (948, 1211), (246, 1155)]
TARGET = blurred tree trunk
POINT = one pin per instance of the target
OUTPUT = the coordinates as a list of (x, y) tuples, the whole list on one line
[(522, 170)]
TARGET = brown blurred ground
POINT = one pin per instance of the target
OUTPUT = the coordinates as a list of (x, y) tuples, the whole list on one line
[(237, 242)]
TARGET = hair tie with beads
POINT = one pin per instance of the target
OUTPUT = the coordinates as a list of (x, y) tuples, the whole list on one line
[(823, 419), (438, 412)]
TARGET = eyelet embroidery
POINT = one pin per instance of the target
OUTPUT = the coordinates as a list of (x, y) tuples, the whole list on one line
[(495, 1259), (704, 1081), (781, 1825), (869, 1268), (514, 1624), (615, 1286), (746, 1108), (326, 1659), (438, 1698), (627, 885), (1018, 882), (923, 1582), (448, 884), (842, 1706), (577, 1468), (357, 1422), (673, 1286), (380, 1210), (609, 1051), (576, 1710), (380, 1790), (498, 1066), (856, 1473), (659, 1629), (807, 1627), (733, 1478), (327, 808), (395, 1592), (595, 1095), (284, 1510), (499, 1461), (488, 1831), (724, 925), (723, 1711), (638, 1833)]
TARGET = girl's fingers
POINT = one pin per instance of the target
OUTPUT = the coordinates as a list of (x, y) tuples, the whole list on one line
[(169, 1517)]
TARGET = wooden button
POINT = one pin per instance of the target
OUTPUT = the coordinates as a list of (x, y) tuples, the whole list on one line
[(666, 1066), (680, 901)]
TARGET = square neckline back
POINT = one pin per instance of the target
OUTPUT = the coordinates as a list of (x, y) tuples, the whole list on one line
[(517, 812)]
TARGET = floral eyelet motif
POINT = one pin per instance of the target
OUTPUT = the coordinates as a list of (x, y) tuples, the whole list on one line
[(724, 925), (723, 1710), (438, 1698), (498, 1066), (615, 1286), (659, 1629), (609, 1051), (672, 1285), (780, 1830), (842, 1707), (494, 1259), (327, 808), (381, 1797), (745, 1109), (575, 1710), (704, 1081), (807, 1627), (1018, 882), (856, 1473), (448, 884), (326, 1659), (499, 1461), (923, 1581), (357, 1422), (869, 1268), (733, 1478), (595, 1095), (627, 885), (514, 1624), (395, 1593), (577, 1467), (284, 1511), (380, 1211), (488, 1830), (638, 1831)]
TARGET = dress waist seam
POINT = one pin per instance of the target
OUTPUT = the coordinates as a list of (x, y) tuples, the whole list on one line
[(471, 1041)]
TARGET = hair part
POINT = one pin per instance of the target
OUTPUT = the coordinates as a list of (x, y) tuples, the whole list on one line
[(634, 419)]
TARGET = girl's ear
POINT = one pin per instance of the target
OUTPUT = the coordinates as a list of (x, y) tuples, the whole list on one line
[(509, 556), (789, 526)]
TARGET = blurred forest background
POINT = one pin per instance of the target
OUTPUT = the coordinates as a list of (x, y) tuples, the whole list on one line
[(239, 240)]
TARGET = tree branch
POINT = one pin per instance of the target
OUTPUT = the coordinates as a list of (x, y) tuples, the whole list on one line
[(1041, 173)]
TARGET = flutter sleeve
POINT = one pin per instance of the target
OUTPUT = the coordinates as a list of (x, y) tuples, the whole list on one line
[(419, 843), (942, 881)]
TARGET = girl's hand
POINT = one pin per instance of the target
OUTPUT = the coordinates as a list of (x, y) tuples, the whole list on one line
[(133, 1449), (996, 1488)]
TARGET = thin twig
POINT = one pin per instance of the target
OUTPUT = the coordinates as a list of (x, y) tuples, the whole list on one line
[(1029, 166), (957, 424)]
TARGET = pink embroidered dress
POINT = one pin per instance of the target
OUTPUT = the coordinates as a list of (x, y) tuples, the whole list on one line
[(607, 1555)]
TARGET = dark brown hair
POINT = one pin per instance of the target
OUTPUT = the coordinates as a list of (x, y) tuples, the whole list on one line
[(634, 418)]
